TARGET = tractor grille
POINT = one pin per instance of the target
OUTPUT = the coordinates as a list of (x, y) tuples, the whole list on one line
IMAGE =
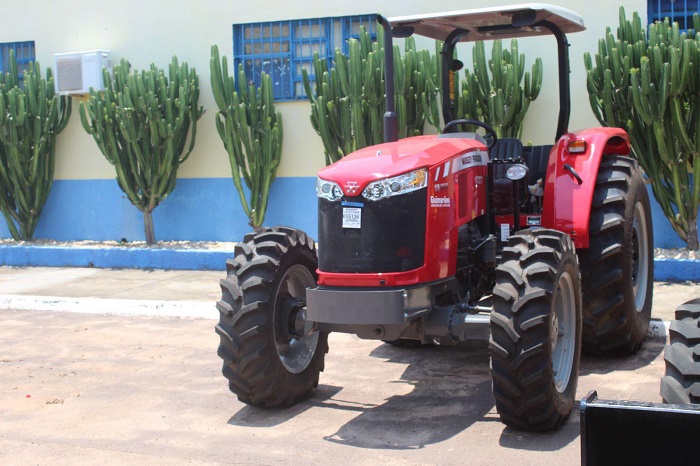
[(391, 239)]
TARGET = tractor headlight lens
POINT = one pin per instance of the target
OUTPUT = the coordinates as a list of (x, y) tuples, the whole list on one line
[(402, 184), (328, 190), (516, 172)]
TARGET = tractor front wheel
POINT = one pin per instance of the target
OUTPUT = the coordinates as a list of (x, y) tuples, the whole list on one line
[(536, 330), (271, 356)]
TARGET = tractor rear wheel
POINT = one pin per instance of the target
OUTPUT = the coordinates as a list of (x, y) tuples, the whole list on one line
[(681, 384), (617, 270), (536, 330), (271, 357)]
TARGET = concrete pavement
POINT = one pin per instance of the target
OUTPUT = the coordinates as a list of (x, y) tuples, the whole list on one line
[(176, 293), (114, 389)]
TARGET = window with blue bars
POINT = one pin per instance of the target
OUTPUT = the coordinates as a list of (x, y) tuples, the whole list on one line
[(283, 48), (24, 54), (680, 11)]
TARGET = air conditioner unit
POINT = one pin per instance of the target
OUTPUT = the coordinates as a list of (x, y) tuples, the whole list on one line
[(77, 72)]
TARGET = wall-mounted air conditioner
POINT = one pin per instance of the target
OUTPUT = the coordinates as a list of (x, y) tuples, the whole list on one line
[(77, 72)]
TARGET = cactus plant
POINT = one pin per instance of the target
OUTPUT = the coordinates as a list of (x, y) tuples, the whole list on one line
[(649, 85), (251, 131), (499, 92), (347, 105), (141, 123), (30, 119)]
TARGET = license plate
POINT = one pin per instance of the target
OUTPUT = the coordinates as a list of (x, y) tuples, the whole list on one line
[(352, 217)]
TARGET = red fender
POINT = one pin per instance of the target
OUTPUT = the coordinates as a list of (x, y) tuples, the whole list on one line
[(567, 204)]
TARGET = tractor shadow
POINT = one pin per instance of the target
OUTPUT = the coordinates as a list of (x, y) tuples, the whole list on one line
[(250, 416), (650, 350), (450, 391)]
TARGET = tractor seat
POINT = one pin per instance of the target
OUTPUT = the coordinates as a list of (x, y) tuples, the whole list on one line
[(536, 159), (507, 150)]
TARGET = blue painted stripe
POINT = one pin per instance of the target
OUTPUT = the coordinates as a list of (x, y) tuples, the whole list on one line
[(133, 258), (193, 259), (200, 209), (676, 270)]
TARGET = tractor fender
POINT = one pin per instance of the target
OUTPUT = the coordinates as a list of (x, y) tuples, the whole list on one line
[(571, 178)]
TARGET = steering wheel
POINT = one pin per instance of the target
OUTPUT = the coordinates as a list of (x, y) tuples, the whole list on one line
[(481, 124)]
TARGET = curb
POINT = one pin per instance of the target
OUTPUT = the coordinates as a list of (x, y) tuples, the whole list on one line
[(117, 307), (676, 270), (658, 329), (114, 258), (673, 270)]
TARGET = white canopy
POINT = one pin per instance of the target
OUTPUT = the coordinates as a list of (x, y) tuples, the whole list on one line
[(492, 23)]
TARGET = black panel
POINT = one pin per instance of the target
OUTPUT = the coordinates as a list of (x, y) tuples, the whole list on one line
[(392, 237), (537, 158)]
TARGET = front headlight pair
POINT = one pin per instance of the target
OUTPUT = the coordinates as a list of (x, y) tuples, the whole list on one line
[(376, 190)]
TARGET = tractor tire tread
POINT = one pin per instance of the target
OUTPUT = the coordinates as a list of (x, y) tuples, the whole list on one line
[(521, 372), (611, 323), (681, 382), (250, 360)]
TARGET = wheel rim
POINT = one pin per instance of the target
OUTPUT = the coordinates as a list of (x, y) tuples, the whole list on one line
[(295, 353), (563, 332), (640, 256)]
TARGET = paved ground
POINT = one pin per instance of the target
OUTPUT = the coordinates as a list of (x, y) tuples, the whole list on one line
[(110, 389), (191, 289), (82, 389)]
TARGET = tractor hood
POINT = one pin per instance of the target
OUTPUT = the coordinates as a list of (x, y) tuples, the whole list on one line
[(355, 171)]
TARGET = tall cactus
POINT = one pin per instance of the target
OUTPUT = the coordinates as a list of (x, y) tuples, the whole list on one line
[(499, 92), (348, 104), (649, 85), (251, 131), (30, 119), (141, 123)]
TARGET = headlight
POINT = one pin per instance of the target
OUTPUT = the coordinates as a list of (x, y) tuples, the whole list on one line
[(328, 190), (516, 172), (401, 184)]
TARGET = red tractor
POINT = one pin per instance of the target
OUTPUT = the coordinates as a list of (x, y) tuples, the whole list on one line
[(435, 240)]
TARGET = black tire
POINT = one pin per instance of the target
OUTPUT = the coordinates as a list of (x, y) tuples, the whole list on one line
[(268, 361), (535, 328), (681, 384), (617, 270)]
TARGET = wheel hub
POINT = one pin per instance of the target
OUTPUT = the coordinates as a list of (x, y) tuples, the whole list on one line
[(563, 332), (640, 256), (294, 336)]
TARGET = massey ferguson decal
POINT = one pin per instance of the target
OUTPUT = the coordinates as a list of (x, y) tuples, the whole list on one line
[(351, 187), (470, 159)]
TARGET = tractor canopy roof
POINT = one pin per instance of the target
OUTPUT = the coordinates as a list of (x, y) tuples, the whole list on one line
[(490, 23)]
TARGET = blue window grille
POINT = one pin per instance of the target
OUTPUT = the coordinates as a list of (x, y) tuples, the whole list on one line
[(24, 54), (680, 11), (283, 48)]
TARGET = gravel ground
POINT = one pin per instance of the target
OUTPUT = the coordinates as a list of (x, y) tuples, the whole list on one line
[(660, 253)]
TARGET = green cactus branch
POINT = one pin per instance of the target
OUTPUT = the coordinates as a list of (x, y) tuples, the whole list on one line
[(31, 116), (141, 123), (499, 92), (347, 102), (648, 84), (251, 131)]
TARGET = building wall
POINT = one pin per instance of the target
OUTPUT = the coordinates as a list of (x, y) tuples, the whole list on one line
[(86, 203)]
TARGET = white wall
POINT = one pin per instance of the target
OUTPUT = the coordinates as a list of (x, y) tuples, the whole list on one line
[(148, 31)]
